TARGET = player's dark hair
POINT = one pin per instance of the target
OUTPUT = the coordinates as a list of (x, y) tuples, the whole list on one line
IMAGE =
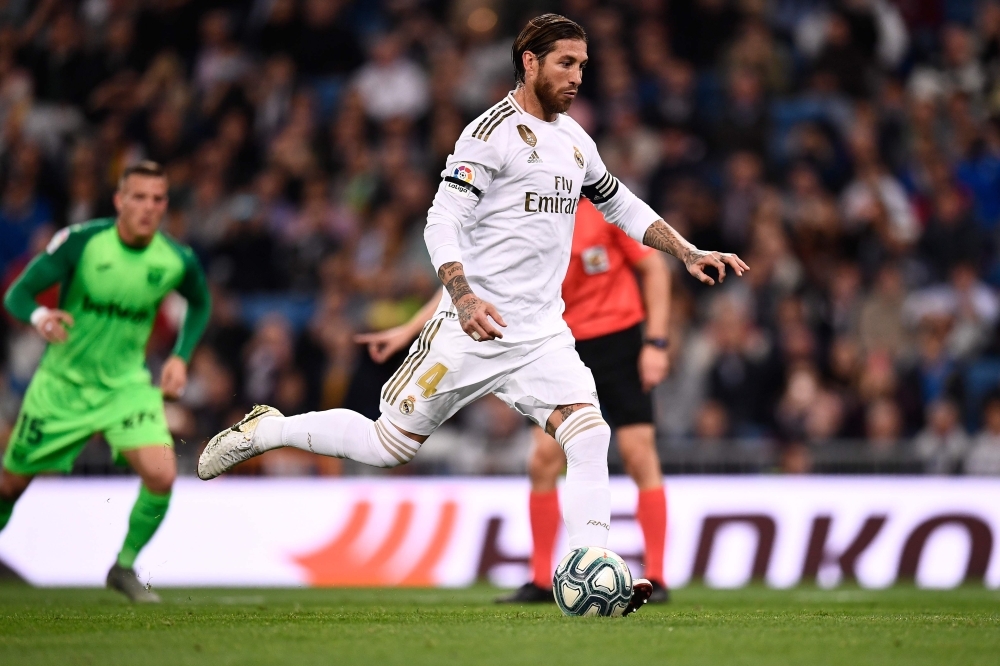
[(540, 37), (143, 168)]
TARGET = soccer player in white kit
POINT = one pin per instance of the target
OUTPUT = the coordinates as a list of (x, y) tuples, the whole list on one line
[(499, 232)]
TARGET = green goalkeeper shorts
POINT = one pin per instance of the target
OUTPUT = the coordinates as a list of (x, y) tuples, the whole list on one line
[(58, 417)]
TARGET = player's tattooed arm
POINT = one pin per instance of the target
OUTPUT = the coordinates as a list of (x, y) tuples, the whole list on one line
[(474, 314), (665, 238), (452, 276)]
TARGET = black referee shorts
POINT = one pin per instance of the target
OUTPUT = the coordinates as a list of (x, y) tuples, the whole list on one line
[(614, 361)]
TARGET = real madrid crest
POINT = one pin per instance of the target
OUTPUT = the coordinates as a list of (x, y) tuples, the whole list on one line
[(528, 136), (578, 156), (407, 405)]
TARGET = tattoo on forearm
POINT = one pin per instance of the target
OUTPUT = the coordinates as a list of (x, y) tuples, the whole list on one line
[(663, 237), (453, 276)]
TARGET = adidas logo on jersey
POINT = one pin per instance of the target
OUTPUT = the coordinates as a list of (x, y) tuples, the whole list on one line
[(534, 158)]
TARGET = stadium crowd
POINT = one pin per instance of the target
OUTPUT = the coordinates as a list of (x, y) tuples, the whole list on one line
[(848, 151)]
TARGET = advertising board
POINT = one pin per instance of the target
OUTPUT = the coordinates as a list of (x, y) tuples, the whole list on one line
[(724, 531)]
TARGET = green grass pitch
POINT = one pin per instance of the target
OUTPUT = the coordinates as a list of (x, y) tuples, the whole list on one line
[(452, 627)]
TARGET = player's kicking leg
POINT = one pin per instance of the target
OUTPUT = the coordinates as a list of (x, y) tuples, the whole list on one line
[(338, 433), (157, 468)]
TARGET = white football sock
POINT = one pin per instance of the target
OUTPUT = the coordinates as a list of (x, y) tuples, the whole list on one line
[(585, 437), (339, 433)]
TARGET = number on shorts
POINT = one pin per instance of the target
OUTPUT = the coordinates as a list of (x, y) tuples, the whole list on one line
[(30, 431), (430, 379)]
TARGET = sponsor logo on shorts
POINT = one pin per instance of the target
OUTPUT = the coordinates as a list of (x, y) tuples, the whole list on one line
[(408, 404), (137, 419)]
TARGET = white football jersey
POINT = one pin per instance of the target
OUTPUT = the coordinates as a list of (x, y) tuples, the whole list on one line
[(506, 208)]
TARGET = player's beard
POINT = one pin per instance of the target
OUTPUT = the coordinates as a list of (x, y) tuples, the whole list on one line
[(550, 98)]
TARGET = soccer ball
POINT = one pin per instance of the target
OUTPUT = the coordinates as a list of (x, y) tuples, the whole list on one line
[(592, 581)]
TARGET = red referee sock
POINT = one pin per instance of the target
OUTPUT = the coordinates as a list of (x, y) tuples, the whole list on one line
[(544, 511), (652, 516)]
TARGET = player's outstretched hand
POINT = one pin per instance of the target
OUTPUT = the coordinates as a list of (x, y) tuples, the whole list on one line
[(474, 314), (699, 260), (54, 325), (174, 377), (383, 344)]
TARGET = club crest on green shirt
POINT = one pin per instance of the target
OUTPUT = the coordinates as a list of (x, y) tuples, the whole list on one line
[(155, 275)]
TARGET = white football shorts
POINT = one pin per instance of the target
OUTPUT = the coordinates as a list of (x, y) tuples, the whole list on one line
[(446, 370)]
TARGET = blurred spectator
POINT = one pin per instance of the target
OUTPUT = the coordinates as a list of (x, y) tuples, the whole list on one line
[(972, 308), (983, 457), (932, 375), (951, 236), (743, 376), (875, 200), (881, 325), (221, 60), (325, 46), (280, 30), (958, 69), (883, 425), (942, 444), (743, 193), (390, 85), (22, 213), (267, 357), (743, 123)]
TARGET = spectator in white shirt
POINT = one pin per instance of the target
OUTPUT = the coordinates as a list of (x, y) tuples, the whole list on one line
[(984, 456), (390, 85)]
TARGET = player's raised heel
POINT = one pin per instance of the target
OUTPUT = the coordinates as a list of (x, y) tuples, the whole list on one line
[(642, 590), (125, 581), (233, 445)]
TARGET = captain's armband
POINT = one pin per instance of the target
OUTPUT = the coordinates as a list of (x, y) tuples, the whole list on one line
[(603, 190)]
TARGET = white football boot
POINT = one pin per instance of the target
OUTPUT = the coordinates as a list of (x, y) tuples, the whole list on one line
[(233, 445)]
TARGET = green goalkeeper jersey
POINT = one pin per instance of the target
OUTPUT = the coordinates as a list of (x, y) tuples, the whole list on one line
[(113, 292)]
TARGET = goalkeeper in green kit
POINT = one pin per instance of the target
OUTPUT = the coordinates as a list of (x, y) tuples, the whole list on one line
[(113, 274)]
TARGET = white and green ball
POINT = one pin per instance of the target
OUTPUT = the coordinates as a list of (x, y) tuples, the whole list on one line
[(592, 581)]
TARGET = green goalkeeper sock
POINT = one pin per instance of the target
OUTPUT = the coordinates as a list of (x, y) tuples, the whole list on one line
[(6, 508), (146, 516)]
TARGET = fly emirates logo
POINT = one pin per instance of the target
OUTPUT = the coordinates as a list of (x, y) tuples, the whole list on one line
[(555, 203)]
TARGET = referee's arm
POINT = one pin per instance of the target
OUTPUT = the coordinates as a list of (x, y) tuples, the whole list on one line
[(654, 281)]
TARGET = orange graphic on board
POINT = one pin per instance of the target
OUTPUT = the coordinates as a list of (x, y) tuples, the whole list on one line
[(341, 564)]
